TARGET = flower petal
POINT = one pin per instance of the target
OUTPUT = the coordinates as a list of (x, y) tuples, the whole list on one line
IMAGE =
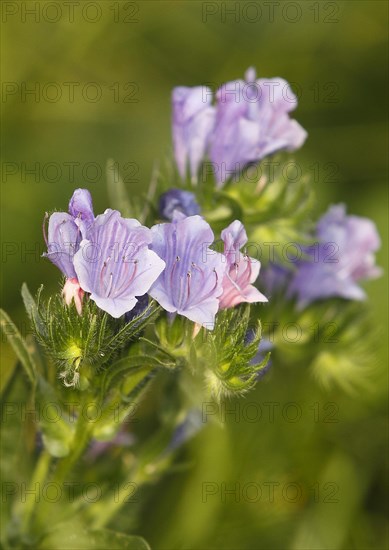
[(242, 271), (345, 256), (115, 264), (81, 208), (62, 243), (191, 282), (193, 122)]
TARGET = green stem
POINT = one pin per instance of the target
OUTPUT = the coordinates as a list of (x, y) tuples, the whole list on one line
[(39, 476), (65, 465), (151, 464), (81, 440), (111, 505)]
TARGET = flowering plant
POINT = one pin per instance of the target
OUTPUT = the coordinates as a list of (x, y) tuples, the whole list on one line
[(171, 294)]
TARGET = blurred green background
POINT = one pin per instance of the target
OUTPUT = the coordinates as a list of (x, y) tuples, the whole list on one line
[(121, 59)]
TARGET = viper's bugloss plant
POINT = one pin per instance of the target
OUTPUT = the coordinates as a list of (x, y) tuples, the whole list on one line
[(172, 296)]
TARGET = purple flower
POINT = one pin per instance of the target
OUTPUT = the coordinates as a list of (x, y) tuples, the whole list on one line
[(63, 241), (252, 121), (193, 120), (176, 199), (241, 270), (344, 255), (81, 207), (192, 280), (115, 263), (66, 231)]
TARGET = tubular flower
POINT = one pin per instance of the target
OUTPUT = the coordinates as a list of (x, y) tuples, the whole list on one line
[(241, 272), (193, 121), (81, 208), (192, 280), (252, 121), (345, 255), (66, 231), (63, 241), (115, 263)]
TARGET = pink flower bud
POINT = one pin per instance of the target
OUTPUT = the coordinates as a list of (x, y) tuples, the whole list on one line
[(73, 291)]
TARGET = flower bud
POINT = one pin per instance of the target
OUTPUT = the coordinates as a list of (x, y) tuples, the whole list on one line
[(73, 291)]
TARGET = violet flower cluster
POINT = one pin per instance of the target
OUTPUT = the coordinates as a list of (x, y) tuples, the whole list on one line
[(249, 121), (343, 256), (117, 260)]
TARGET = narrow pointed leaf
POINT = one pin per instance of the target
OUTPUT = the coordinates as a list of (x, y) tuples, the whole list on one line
[(18, 345), (32, 308)]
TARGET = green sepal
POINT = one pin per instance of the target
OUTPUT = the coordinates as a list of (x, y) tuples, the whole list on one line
[(224, 210), (228, 353), (276, 211), (175, 337), (132, 328), (80, 345)]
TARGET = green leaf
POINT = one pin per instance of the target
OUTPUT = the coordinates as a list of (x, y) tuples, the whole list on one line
[(135, 326), (16, 449), (134, 368), (19, 345), (57, 434), (70, 537), (32, 308), (8, 368), (224, 210)]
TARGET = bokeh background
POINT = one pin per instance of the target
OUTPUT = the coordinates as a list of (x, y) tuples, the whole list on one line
[(122, 59)]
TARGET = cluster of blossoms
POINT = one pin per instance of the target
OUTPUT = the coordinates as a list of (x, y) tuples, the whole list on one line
[(117, 260), (249, 121), (344, 255), (124, 268)]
